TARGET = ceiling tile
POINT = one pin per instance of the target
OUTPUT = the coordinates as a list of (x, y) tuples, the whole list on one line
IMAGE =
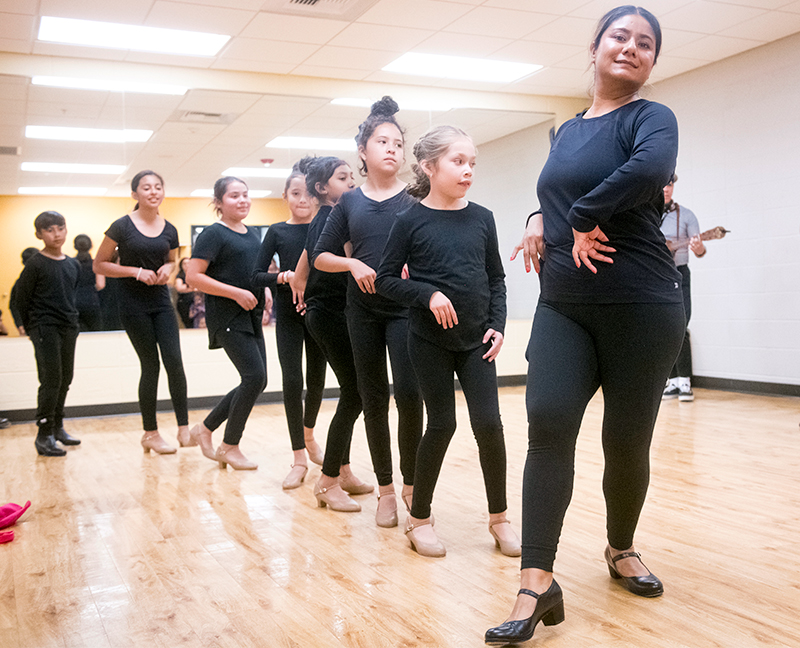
[(20, 7), (15, 26), (503, 23), (538, 53), (794, 7), (169, 59), (675, 38), (364, 35), (118, 11), (766, 27), (538, 6), (216, 101), (214, 20), (707, 17), (330, 72), (241, 65), (249, 5), (252, 49), (350, 58), (669, 66), (421, 14), (567, 29), (462, 45), (294, 29), (54, 49), (712, 48), (16, 46)]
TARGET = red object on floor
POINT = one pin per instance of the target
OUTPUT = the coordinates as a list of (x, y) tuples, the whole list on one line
[(6, 536), (10, 513)]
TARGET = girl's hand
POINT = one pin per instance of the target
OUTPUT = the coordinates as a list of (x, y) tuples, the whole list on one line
[(146, 277), (404, 274), (532, 244), (246, 299), (589, 245), (162, 276), (443, 310), (497, 343), (298, 286), (364, 276)]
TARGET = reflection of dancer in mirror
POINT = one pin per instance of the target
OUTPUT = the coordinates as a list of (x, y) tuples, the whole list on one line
[(610, 314), (682, 230), (456, 294), (364, 218), (220, 267), (90, 315), (148, 245), (291, 333)]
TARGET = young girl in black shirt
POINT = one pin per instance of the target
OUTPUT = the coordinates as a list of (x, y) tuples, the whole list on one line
[(222, 257), (457, 297), (363, 217), (148, 247)]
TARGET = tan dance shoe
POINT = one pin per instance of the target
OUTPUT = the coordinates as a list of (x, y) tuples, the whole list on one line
[(295, 477), (335, 499), (508, 547), (230, 455), (153, 441), (354, 486), (429, 549)]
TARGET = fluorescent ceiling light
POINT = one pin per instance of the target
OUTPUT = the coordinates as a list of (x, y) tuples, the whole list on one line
[(262, 172), (313, 143), (62, 191), (459, 67), (86, 134), (57, 167), (209, 193), (129, 37), (423, 106), (106, 85)]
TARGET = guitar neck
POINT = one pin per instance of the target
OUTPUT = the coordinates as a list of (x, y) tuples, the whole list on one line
[(708, 235)]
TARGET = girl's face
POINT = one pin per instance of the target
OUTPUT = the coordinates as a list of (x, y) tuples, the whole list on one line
[(451, 174), (150, 192), (339, 183), (384, 152), (626, 53), (297, 198), (235, 204)]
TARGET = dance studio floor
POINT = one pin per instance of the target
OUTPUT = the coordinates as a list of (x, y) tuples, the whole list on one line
[(130, 550)]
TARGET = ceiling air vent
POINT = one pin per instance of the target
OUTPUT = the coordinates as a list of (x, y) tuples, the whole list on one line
[(200, 117), (337, 9), (10, 150)]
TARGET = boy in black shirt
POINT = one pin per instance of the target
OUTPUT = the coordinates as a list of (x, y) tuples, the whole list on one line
[(46, 301)]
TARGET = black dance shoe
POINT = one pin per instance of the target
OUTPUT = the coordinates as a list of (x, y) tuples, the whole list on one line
[(47, 446), (549, 610), (66, 439), (648, 586)]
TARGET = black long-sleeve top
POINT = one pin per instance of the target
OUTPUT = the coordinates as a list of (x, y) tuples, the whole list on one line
[(325, 290), (610, 171), (456, 253), (366, 223), (45, 292), (288, 241)]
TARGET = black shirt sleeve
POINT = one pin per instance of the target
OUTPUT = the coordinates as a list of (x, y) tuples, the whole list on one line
[(261, 277)]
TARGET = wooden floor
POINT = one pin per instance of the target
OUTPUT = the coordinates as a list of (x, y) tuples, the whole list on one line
[(126, 550)]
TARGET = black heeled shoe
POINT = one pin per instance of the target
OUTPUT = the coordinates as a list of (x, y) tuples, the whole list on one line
[(649, 586), (549, 610), (47, 446), (65, 438)]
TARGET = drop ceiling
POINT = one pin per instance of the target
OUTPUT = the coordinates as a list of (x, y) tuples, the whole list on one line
[(286, 61)]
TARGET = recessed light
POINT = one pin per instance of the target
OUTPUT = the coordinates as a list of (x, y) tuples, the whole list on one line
[(459, 67), (57, 167), (313, 143), (257, 172), (107, 85), (93, 33), (63, 191), (209, 193), (86, 134)]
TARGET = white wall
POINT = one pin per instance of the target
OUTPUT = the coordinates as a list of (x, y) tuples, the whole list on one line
[(739, 166)]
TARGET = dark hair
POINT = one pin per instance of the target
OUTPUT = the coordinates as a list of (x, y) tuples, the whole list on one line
[(221, 188), (431, 147), (27, 253), (382, 112), (138, 178), (299, 170), (83, 244), (319, 171), (626, 10), (48, 219)]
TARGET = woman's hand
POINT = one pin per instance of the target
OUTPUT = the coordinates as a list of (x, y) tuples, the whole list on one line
[(588, 246), (364, 276), (497, 343), (146, 276), (162, 276), (443, 311), (532, 244), (696, 245), (246, 299), (298, 286)]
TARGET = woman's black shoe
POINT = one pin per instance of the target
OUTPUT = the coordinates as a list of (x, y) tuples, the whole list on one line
[(549, 609), (47, 446), (65, 438), (648, 586)]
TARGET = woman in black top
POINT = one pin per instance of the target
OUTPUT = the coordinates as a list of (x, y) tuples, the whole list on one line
[(291, 334), (222, 257), (610, 313), (457, 297), (90, 314), (186, 295), (147, 246), (363, 218)]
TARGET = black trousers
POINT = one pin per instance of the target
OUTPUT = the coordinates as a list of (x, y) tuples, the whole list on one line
[(435, 368), (54, 347), (291, 336), (683, 365), (627, 349), (149, 332), (330, 331), (371, 335), (248, 354)]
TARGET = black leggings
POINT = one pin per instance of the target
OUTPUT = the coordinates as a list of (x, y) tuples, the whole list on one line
[(683, 365), (149, 332), (371, 335), (330, 331), (435, 367), (627, 349), (291, 334), (248, 354), (54, 347)]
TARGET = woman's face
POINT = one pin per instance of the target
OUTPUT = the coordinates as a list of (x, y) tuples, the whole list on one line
[(340, 182), (625, 54), (384, 150), (150, 192), (297, 198), (235, 204)]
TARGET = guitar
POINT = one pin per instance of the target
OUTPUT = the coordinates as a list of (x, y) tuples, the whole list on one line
[(708, 235)]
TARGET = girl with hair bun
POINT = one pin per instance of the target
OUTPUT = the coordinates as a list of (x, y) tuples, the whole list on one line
[(456, 295), (220, 267), (291, 333), (364, 218)]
